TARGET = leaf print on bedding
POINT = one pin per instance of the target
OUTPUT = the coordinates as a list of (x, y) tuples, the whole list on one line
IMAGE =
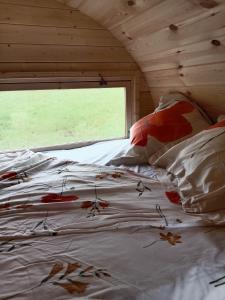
[(217, 282), (141, 188), (73, 287), (171, 238), (10, 245), (161, 214), (43, 226), (95, 206), (115, 174), (71, 267), (57, 267)]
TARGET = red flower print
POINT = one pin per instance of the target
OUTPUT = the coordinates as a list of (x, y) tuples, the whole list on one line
[(8, 175), (49, 198), (103, 204), (4, 206), (173, 196), (166, 126), (86, 204)]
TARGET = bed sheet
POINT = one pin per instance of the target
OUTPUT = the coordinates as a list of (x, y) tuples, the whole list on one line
[(77, 231), (102, 153)]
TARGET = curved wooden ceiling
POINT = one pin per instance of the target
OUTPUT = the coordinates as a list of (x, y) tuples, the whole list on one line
[(179, 44)]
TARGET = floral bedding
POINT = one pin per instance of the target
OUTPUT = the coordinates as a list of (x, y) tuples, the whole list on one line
[(73, 231)]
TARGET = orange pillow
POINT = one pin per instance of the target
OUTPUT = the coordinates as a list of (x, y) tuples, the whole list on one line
[(175, 119)]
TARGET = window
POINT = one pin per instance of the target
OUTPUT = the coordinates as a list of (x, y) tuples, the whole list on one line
[(45, 115)]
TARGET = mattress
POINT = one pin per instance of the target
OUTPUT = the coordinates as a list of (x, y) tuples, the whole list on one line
[(72, 230)]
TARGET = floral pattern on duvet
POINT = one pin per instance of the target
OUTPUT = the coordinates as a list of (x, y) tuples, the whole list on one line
[(93, 198)]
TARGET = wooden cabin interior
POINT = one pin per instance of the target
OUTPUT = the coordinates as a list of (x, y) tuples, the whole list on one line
[(148, 221), (166, 45)]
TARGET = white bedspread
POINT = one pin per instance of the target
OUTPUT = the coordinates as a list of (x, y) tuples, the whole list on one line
[(73, 231)]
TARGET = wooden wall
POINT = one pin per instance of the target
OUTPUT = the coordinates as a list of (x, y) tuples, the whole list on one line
[(179, 44), (48, 36)]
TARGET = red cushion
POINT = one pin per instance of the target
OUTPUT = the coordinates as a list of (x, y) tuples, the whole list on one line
[(166, 126)]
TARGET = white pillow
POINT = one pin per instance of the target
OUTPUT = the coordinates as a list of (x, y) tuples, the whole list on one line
[(197, 165)]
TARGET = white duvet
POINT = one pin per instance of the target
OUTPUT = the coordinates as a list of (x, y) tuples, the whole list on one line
[(73, 231)]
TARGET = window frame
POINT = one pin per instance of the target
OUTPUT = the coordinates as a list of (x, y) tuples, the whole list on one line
[(76, 82)]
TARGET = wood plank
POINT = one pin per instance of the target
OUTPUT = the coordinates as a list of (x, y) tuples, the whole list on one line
[(196, 54), (20, 68), (112, 13), (52, 53), (146, 104), (56, 36), (71, 3), (159, 17), (212, 74), (12, 14), (37, 3), (204, 75), (193, 30), (164, 78), (210, 98)]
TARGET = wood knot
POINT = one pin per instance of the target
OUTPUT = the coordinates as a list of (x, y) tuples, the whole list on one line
[(130, 3), (181, 74), (208, 3), (216, 42), (173, 27), (180, 66)]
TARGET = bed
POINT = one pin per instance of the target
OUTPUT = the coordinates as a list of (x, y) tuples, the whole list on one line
[(77, 230)]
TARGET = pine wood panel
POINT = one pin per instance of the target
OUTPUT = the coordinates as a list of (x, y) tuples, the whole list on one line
[(16, 14), (15, 67), (14, 34), (210, 98), (205, 26), (164, 78), (54, 53), (212, 74), (113, 13), (159, 17), (178, 56), (197, 54), (37, 3)]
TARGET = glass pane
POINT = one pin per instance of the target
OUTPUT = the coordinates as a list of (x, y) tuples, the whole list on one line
[(40, 118)]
